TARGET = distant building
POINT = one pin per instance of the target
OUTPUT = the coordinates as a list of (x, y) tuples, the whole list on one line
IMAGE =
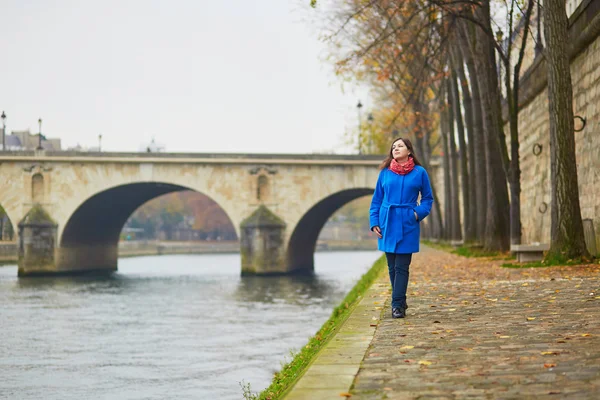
[(80, 148), (152, 147), (25, 140)]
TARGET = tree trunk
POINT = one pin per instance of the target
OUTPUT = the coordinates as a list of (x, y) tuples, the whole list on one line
[(567, 240), (437, 217), (468, 40), (512, 97), (446, 163), (497, 229), (471, 222), (455, 229), (464, 169)]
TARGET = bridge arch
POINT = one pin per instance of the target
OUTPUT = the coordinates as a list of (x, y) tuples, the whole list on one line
[(7, 227), (303, 239), (91, 233)]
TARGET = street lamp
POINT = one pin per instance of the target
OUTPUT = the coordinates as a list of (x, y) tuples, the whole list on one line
[(499, 35), (538, 43), (40, 135), (370, 119), (358, 107), (99, 142), (3, 131)]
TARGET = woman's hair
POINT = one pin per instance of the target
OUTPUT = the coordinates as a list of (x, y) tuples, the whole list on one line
[(388, 160)]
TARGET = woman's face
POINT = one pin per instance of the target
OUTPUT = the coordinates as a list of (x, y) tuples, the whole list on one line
[(400, 151)]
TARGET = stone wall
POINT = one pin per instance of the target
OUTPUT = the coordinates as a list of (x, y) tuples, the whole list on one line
[(534, 131), (8, 252)]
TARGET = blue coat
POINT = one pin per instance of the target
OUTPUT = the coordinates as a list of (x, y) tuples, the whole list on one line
[(392, 206)]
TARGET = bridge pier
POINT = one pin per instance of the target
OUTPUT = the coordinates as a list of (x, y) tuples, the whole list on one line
[(39, 253), (262, 243), (37, 243)]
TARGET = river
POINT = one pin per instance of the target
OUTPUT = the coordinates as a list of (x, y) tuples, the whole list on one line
[(162, 327)]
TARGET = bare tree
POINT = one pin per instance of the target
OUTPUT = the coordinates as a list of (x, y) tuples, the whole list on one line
[(567, 239)]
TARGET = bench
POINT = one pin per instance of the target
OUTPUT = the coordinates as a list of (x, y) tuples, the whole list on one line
[(529, 252), (457, 243)]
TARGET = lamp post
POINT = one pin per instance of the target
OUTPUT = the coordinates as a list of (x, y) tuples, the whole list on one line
[(370, 119), (499, 35), (99, 142), (3, 131), (358, 107), (40, 135), (538, 43)]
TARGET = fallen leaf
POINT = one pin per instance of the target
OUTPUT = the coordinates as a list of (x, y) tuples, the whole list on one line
[(549, 365), (407, 347), (549, 353), (585, 334), (436, 322), (466, 348), (504, 337), (424, 362), (345, 394), (530, 318)]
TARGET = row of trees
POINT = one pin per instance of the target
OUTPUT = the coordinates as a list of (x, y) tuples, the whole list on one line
[(441, 72)]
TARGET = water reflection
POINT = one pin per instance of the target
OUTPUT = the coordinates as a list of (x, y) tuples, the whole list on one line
[(81, 284), (295, 290)]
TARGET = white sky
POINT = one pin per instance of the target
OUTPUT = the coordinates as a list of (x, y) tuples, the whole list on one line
[(197, 75)]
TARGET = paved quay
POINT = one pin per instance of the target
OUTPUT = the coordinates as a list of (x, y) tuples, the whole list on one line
[(473, 330)]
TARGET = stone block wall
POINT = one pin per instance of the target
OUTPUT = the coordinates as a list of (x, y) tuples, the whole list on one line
[(534, 129)]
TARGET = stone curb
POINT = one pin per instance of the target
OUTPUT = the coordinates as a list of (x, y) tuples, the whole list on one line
[(332, 373)]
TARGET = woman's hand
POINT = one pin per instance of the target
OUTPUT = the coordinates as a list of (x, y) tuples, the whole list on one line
[(416, 216), (377, 231)]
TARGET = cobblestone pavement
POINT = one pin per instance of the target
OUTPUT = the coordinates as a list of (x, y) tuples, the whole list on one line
[(477, 330)]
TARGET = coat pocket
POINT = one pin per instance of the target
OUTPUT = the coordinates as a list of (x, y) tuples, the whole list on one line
[(383, 213)]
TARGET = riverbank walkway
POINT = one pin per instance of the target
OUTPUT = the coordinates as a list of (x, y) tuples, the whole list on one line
[(474, 330)]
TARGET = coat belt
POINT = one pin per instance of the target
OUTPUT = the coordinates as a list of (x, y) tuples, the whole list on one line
[(396, 225)]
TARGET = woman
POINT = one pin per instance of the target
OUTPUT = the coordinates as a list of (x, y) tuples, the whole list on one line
[(395, 215)]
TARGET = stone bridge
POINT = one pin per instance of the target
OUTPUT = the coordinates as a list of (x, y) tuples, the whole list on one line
[(70, 207)]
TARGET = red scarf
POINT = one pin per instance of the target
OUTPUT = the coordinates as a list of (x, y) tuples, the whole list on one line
[(402, 168)]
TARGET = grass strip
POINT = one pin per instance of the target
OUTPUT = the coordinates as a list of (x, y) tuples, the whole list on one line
[(467, 250), (292, 371), (552, 262)]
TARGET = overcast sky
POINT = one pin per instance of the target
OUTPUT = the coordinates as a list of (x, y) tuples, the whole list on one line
[(196, 75)]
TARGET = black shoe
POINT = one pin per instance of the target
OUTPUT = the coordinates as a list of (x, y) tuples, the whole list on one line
[(398, 312)]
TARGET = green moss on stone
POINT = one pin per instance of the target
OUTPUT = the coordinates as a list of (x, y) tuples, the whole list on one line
[(262, 217), (37, 216)]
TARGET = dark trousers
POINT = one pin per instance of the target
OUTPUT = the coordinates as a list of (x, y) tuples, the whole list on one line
[(398, 265)]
